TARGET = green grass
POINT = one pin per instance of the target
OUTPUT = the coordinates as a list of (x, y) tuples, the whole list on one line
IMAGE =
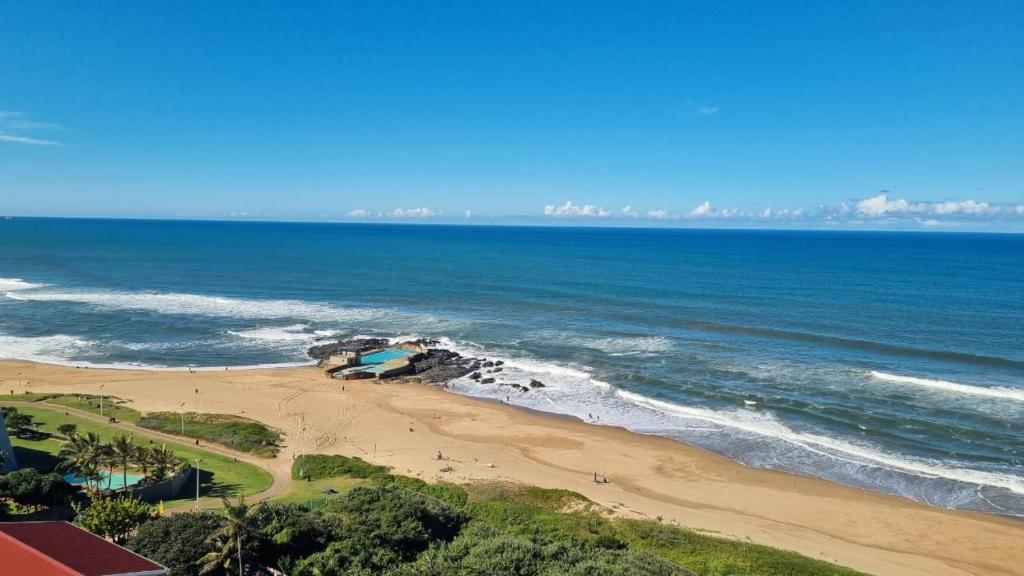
[(111, 406), (219, 475), (532, 511), (318, 466), (302, 491), (233, 431), (27, 397)]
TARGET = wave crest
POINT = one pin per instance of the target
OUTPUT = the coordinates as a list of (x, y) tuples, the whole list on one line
[(951, 387)]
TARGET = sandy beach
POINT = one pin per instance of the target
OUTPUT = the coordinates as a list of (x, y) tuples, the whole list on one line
[(405, 425)]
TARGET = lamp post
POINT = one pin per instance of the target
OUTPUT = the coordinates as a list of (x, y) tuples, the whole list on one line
[(182, 418), (101, 399), (198, 460)]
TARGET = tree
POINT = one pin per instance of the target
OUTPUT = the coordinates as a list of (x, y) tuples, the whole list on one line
[(67, 430), (29, 487), (228, 539), (3, 458), (16, 420), (115, 519), (123, 452), (178, 541), (162, 459), (84, 454)]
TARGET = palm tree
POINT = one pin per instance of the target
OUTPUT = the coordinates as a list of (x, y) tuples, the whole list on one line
[(227, 539), (122, 453), (162, 459), (83, 454)]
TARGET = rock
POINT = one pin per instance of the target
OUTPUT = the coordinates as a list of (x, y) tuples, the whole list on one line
[(499, 362), (536, 384), (497, 370), (487, 381), (488, 364), (475, 376), (324, 351)]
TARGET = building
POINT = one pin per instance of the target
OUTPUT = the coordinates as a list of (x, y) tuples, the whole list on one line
[(63, 549), (10, 462)]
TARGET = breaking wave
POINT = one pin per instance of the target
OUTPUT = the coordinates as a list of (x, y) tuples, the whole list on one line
[(766, 425), (952, 387)]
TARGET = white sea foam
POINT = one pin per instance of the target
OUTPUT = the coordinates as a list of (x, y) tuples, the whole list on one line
[(220, 306), (952, 387), (53, 349), (13, 284), (520, 367), (764, 424), (292, 333)]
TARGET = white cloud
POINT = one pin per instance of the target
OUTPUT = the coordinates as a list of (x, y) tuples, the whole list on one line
[(965, 207), (629, 211), (412, 213), (28, 140), (657, 213), (15, 125), (358, 213), (1019, 209), (708, 110), (704, 209), (570, 209), (468, 213), (880, 205)]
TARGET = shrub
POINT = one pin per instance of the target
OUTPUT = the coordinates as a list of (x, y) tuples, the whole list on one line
[(29, 487), (176, 541), (232, 431), (317, 466)]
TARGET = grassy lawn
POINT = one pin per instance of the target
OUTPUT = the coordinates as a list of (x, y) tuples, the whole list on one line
[(302, 491), (219, 475), (111, 406), (240, 433)]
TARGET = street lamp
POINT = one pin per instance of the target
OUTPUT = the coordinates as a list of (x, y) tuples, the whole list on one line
[(182, 411), (198, 460), (101, 398)]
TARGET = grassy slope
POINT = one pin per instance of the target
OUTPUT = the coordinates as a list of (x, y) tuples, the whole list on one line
[(561, 514), (221, 476)]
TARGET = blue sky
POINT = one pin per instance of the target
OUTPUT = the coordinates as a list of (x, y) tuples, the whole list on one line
[(805, 114)]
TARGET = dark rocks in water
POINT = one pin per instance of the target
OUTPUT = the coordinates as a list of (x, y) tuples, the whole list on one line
[(497, 370), (536, 384), (475, 376), (488, 364), (442, 365), (487, 381), (322, 352), (499, 362)]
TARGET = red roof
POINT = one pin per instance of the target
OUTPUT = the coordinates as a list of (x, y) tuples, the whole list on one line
[(63, 549)]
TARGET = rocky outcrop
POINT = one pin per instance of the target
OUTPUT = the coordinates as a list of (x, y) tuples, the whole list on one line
[(322, 352)]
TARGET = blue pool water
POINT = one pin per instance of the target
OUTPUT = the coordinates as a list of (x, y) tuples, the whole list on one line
[(385, 355), (890, 361), (116, 481)]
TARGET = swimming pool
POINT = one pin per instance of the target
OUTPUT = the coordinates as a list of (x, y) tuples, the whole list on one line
[(116, 480), (385, 355)]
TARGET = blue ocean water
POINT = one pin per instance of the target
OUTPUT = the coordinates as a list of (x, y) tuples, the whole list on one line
[(891, 361)]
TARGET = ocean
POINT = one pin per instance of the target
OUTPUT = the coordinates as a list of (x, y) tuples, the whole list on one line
[(889, 361)]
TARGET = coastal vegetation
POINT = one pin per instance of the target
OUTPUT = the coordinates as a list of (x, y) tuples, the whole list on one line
[(401, 526), (236, 432)]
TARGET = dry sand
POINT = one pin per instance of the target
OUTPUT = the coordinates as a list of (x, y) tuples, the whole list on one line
[(405, 425)]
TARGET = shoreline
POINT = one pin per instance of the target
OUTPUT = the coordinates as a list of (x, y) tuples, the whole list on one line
[(404, 425)]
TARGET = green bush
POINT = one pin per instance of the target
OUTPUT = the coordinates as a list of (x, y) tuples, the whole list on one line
[(318, 466), (233, 431), (177, 541)]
